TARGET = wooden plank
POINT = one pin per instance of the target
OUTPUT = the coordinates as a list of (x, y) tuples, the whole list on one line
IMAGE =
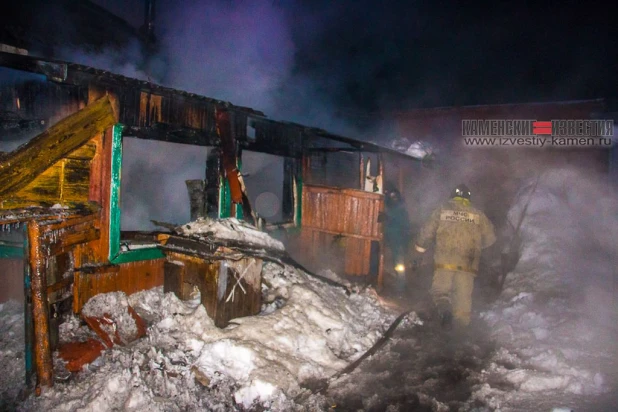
[(11, 275), (127, 277), (100, 191), (173, 278), (348, 212), (222, 293), (86, 152), (67, 181), (62, 223), (96, 169), (53, 70), (76, 182), (61, 284), (228, 153), (67, 242), (154, 112), (86, 282), (32, 159), (143, 109), (346, 191), (141, 275), (44, 188)]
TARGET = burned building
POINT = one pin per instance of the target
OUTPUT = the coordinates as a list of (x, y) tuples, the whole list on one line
[(60, 196)]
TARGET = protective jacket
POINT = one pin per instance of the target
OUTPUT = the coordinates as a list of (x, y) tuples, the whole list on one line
[(460, 232)]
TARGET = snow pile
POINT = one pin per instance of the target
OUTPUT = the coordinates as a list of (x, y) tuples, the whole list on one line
[(11, 352), (554, 318), (229, 229), (306, 331)]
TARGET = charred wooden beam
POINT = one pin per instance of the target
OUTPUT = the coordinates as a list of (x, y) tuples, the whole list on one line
[(212, 184), (26, 215), (63, 283), (43, 151), (197, 198), (277, 149), (146, 236), (14, 127), (42, 350), (290, 172), (68, 241), (341, 149), (67, 222), (228, 151), (53, 70), (275, 138), (173, 134), (103, 268), (248, 213)]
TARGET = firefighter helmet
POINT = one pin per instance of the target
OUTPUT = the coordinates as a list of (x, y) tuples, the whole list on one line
[(461, 191)]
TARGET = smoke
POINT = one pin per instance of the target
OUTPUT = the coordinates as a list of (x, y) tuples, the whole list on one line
[(130, 61), (235, 51), (242, 52), (569, 251), (153, 182), (13, 134), (579, 213), (340, 68)]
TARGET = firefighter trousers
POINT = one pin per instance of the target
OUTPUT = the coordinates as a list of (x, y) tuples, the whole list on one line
[(452, 289)]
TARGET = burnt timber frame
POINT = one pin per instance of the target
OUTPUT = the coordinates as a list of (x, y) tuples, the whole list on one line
[(145, 110), (150, 111)]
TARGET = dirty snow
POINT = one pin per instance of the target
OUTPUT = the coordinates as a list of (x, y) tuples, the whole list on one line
[(306, 331), (12, 351), (556, 318)]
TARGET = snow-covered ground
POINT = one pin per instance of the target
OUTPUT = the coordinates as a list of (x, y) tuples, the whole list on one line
[(306, 332), (553, 328), (12, 351), (555, 322)]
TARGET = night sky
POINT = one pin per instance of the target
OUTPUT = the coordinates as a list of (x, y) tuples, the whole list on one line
[(367, 56), (425, 54), (315, 60)]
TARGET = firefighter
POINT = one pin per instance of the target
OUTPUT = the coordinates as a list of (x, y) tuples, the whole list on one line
[(460, 232), (397, 233)]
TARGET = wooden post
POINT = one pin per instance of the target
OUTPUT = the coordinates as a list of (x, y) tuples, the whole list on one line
[(306, 172), (42, 351), (381, 259), (100, 192), (28, 323), (362, 171)]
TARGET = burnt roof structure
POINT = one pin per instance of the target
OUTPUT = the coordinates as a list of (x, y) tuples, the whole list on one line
[(151, 111)]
